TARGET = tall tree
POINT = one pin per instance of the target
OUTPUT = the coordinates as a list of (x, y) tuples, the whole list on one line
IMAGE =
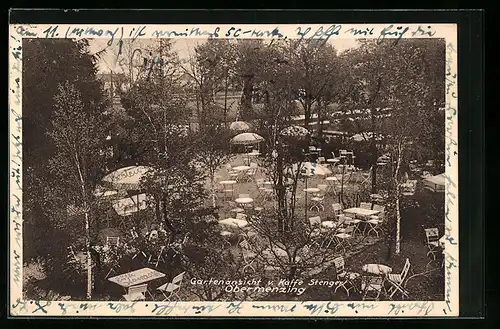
[(78, 134)]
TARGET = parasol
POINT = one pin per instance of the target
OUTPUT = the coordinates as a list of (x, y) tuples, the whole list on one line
[(435, 183), (247, 139), (295, 131), (239, 126), (127, 177)]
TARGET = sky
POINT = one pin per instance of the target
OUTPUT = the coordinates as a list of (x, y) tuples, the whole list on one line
[(183, 47)]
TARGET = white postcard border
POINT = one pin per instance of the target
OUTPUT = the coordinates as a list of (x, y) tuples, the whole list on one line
[(114, 33)]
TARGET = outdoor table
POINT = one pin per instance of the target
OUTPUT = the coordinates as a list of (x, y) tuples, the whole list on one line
[(329, 224), (333, 161), (241, 168), (312, 190), (361, 212), (376, 269), (234, 222), (243, 200), (136, 277)]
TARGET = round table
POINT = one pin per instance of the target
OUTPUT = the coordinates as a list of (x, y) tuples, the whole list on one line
[(312, 190), (234, 222), (333, 160), (227, 182), (243, 200), (329, 224), (376, 269), (241, 168)]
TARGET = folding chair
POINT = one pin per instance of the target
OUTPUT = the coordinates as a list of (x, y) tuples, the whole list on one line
[(171, 289), (397, 280), (232, 173), (365, 205), (343, 238), (317, 202), (260, 187), (321, 160), (158, 259), (432, 236), (337, 209), (372, 287), (248, 255), (344, 279), (112, 241), (225, 239), (136, 293)]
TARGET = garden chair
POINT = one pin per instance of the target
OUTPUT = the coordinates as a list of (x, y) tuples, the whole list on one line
[(343, 238), (432, 236), (374, 222), (233, 175), (171, 289), (112, 241), (365, 205), (155, 261), (321, 160), (248, 255), (344, 278), (259, 182), (337, 209), (136, 293), (348, 221), (372, 287), (397, 280), (317, 202)]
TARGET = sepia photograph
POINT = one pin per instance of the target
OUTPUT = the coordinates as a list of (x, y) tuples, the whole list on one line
[(221, 170)]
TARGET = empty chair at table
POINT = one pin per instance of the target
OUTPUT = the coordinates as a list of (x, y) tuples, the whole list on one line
[(248, 255), (432, 236), (317, 202), (397, 281), (233, 174), (343, 238), (365, 205), (136, 293), (321, 160), (372, 287), (112, 241), (155, 261), (344, 279), (243, 195), (171, 289), (337, 209)]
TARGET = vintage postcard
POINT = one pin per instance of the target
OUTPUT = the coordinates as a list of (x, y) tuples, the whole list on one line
[(246, 170)]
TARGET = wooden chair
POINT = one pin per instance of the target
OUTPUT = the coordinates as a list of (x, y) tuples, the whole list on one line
[(248, 255), (171, 289), (136, 293), (112, 241), (365, 205), (155, 261), (397, 280), (372, 287), (317, 202), (432, 236), (344, 279), (337, 209)]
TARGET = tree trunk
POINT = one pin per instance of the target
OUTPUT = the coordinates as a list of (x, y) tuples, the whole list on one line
[(374, 152), (87, 228), (246, 98), (212, 184), (226, 86), (281, 192), (307, 112), (398, 210)]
